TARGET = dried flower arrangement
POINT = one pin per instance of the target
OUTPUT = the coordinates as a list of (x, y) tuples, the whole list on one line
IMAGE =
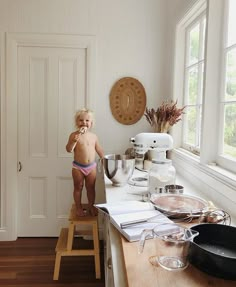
[(164, 117)]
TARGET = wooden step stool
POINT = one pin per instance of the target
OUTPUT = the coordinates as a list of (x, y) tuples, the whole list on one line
[(65, 241)]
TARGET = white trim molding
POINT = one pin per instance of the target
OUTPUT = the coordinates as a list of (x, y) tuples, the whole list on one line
[(3, 215)]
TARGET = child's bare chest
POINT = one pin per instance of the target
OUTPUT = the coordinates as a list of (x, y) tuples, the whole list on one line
[(86, 143)]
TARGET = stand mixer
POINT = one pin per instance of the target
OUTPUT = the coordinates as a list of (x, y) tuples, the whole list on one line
[(157, 143), (161, 171)]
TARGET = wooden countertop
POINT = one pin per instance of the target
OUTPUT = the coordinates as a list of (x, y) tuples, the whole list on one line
[(134, 270), (140, 272)]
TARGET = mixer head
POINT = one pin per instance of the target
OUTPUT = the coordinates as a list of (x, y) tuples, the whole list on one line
[(152, 141)]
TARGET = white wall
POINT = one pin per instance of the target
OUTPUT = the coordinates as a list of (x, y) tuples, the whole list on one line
[(175, 11), (130, 38), (133, 38)]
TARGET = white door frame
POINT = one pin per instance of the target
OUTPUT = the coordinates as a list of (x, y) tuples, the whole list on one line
[(9, 173)]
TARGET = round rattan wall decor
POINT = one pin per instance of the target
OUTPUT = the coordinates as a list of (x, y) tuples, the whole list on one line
[(127, 100)]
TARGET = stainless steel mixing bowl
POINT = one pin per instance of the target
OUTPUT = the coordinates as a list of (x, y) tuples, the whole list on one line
[(118, 168)]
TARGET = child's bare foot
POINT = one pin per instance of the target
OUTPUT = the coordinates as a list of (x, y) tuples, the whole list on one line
[(93, 211), (80, 212)]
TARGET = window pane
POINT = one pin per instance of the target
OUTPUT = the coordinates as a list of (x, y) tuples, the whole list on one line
[(232, 23), (194, 45), (230, 93), (191, 117), (203, 35), (201, 75), (192, 86), (193, 83), (230, 130)]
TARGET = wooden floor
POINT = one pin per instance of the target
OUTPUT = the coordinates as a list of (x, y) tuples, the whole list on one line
[(29, 262)]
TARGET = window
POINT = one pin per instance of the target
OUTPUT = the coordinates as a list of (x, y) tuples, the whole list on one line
[(205, 79), (193, 78), (228, 96)]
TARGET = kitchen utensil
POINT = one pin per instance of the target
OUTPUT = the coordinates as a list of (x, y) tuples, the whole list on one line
[(82, 131), (214, 250), (172, 244), (161, 173), (174, 188), (118, 168), (179, 205), (139, 181), (156, 218), (215, 216)]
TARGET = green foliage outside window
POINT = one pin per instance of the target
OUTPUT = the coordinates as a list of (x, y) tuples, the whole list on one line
[(230, 107)]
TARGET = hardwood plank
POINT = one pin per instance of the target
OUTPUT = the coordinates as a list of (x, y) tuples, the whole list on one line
[(29, 262), (7, 275)]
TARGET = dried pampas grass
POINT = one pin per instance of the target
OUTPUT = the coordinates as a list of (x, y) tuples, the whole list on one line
[(164, 117)]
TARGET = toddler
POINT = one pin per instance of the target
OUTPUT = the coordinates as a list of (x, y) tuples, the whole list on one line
[(85, 145)]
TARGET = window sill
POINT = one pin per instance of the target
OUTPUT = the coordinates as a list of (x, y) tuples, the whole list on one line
[(222, 175), (209, 181)]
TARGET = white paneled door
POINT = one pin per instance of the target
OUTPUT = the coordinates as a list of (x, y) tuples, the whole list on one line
[(51, 86)]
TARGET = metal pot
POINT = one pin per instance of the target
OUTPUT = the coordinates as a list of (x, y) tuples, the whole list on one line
[(214, 250)]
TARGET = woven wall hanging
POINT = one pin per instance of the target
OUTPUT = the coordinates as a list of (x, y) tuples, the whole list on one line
[(127, 100)]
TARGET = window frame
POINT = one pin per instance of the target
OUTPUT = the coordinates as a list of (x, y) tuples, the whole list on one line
[(199, 64), (212, 90), (221, 159), (190, 17)]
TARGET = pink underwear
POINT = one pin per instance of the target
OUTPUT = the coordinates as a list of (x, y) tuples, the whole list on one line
[(84, 168)]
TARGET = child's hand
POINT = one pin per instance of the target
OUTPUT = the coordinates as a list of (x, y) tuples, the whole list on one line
[(76, 138)]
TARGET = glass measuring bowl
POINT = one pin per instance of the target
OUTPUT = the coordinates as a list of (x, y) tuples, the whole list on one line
[(172, 244)]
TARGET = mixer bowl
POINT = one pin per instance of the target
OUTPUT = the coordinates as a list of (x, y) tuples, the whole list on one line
[(118, 168)]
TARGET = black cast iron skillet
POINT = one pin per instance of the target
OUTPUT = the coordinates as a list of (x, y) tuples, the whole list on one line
[(214, 250)]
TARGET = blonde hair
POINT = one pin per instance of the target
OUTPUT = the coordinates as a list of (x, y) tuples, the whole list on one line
[(84, 111)]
